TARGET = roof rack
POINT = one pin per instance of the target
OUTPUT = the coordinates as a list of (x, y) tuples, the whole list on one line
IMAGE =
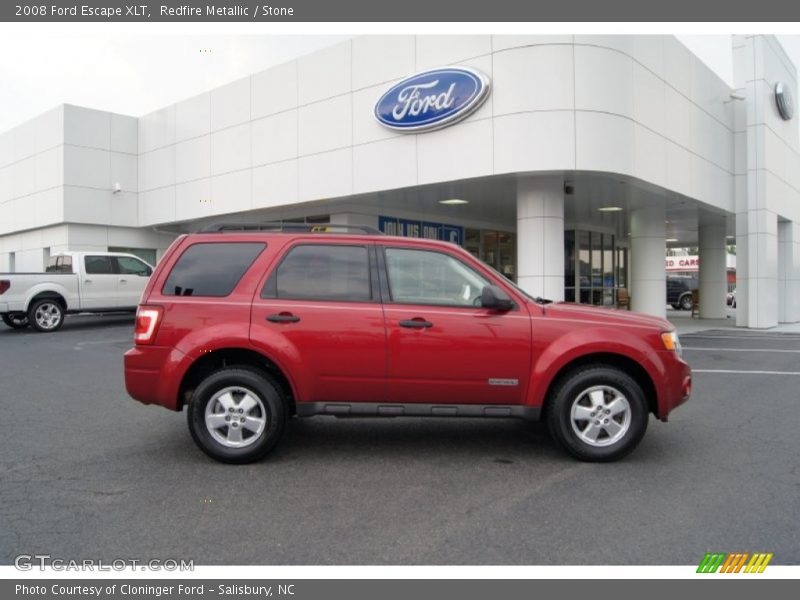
[(277, 226)]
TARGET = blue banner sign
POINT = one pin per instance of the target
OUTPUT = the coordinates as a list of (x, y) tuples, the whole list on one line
[(422, 229)]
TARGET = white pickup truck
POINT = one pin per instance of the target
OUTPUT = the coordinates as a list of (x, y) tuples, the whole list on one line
[(73, 282)]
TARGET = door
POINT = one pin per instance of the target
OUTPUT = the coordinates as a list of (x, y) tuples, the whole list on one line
[(320, 309), (132, 277), (443, 347), (98, 283)]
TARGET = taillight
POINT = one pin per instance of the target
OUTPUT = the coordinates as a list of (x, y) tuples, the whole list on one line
[(4, 285), (148, 319)]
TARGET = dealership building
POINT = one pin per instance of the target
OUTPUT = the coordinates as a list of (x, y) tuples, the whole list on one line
[(571, 167)]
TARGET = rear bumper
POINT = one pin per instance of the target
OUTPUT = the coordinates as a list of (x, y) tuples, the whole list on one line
[(152, 375), (676, 386), (3, 307)]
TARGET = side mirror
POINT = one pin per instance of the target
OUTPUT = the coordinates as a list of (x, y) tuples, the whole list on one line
[(495, 298)]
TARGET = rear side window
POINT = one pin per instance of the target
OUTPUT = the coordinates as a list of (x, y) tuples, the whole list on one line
[(322, 272), (59, 264), (211, 269), (99, 265)]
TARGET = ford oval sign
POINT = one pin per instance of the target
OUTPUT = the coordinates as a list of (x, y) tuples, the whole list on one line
[(432, 99)]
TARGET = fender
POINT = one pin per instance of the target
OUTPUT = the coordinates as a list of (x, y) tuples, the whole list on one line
[(53, 288), (553, 354), (220, 337)]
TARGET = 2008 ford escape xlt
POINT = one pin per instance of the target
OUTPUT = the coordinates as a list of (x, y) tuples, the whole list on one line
[(246, 327)]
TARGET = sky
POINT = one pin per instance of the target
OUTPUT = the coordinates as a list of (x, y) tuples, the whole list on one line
[(136, 74)]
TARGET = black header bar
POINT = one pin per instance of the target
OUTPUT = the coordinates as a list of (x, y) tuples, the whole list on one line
[(401, 11)]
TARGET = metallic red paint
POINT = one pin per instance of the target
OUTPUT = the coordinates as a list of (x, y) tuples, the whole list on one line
[(356, 352)]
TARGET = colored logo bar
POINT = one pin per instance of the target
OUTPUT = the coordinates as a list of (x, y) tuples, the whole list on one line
[(734, 562)]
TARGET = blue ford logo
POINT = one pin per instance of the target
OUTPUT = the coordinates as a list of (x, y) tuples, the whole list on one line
[(432, 99)]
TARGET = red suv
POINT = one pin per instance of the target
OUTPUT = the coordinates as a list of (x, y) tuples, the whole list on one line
[(248, 327)]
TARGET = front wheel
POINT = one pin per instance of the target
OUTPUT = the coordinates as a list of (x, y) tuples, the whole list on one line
[(686, 302), (15, 321), (598, 413), (237, 415), (46, 315)]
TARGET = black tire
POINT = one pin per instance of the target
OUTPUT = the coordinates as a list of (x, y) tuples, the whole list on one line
[(572, 391), (15, 321), (52, 307), (262, 388), (686, 302)]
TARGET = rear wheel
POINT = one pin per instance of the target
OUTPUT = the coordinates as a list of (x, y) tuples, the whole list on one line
[(46, 315), (15, 321), (598, 413), (237, 415)]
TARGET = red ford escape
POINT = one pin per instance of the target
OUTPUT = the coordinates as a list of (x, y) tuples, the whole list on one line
[(245, 326)]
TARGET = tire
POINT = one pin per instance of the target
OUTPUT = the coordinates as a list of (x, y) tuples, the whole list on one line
[(686, 302), (575, 395), (231, 441), (46, 315), (676, 306), (15, 321)]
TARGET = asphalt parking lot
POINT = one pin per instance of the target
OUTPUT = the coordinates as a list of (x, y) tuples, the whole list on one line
[(86, 472)]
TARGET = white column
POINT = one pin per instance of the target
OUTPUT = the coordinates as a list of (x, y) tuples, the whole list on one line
[(757, 269), (540, 236), (648, 270), (713, 267), (788, 272)]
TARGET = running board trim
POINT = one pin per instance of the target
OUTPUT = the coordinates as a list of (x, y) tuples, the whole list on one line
[(382, 409)]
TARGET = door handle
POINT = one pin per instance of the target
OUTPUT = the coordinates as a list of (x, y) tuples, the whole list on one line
[(283, 318), (87, 281), (123, 281), (416, 323)]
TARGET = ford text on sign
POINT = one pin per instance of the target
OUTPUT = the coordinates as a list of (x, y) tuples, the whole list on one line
[(432, 99)]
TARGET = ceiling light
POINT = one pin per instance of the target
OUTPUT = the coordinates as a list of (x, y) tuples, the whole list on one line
[(454, 201), (610, 208)]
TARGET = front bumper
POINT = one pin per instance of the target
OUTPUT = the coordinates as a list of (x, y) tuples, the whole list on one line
[(676, 384)]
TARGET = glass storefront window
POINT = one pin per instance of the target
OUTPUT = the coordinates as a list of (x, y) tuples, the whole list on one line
[(594, 267), (569, 266), (495, 248)]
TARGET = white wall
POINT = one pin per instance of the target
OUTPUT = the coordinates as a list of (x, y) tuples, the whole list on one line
[(767, 184), (642, 106), (31, 173)]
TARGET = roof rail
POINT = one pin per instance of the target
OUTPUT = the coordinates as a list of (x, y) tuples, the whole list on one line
[(277, 226)]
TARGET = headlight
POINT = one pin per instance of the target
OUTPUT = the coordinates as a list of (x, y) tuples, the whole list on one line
[(671, 341)]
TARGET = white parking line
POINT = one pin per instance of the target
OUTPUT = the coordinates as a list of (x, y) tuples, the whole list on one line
[(736, 371), (743, 350)]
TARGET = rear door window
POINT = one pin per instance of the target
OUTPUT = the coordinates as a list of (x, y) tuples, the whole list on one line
[(211, 269), (337, 273), (99, 265)]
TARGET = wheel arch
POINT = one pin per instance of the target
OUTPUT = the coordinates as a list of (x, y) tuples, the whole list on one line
[(232, 356), (619, 361), (47, 295)]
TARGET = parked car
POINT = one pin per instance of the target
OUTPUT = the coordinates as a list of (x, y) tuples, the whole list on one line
[(72, 282), (247, 328), (679, 292)]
